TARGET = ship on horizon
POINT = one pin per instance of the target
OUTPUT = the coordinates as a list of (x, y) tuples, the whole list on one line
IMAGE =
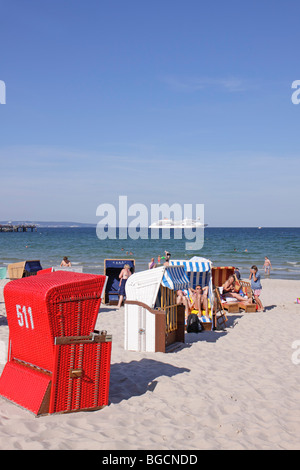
[(185, 223)]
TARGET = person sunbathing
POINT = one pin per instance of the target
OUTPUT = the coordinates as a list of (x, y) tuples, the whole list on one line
[(200, 299), (230, 290), (183, 299)]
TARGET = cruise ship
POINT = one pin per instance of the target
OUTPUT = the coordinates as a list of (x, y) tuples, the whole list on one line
[(185, 223)]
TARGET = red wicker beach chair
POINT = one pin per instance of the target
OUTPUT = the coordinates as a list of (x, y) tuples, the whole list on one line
[(56, 363)]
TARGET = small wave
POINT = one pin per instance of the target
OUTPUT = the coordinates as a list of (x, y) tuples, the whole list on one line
[(285, 270), (94, 266)]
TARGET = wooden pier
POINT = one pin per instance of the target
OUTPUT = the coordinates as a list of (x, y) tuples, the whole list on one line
[(18, 228)]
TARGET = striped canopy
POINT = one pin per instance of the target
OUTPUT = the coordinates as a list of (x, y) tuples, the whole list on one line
[(195, 264), (175, 278), (144, 286), (199, 273), (197, 269)]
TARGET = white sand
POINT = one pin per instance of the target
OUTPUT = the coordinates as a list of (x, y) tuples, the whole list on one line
[(237, 389)]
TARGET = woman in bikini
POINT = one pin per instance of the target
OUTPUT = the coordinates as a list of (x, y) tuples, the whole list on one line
[(229, 290), (123, 276)]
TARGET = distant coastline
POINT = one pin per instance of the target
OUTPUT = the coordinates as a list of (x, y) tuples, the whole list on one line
[(48, 224), (66, 224)]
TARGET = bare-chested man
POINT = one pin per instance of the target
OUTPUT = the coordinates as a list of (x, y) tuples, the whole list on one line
[(200, 299)]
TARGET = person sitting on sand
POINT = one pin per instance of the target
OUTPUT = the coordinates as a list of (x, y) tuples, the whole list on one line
[(66, 263), (229, 290), (123, 276)]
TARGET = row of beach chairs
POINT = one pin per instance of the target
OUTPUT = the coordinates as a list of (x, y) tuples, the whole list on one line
[(112, 268), (57, 361)]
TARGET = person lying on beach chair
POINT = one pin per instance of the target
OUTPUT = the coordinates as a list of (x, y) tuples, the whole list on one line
[(231, 289), (194, 300)]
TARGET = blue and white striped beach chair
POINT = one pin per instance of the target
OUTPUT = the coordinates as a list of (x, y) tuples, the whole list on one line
[(199, 272)]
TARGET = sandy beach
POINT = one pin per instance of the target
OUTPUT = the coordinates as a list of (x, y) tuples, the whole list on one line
[(232, 389)]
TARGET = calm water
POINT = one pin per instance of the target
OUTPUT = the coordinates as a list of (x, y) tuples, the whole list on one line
[(223, 246)]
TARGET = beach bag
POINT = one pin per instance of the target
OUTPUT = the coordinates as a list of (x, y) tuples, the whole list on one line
[(193, 324)]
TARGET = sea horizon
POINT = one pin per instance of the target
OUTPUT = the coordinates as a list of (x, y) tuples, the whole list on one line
[(69, 224)]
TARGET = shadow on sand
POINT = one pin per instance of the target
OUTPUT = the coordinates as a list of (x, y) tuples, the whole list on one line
[(138, 377)]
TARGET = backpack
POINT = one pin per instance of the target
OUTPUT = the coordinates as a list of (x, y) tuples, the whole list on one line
[(193, 324)]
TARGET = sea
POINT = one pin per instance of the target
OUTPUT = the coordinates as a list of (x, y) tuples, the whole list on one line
[(239, 247)]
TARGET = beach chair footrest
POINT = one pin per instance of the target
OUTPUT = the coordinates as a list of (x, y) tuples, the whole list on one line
[(26, 387)]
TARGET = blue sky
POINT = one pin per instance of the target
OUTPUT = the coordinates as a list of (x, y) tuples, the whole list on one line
[(165, 101)]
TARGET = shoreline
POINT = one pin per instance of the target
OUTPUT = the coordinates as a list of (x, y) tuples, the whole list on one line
[(232, 389)]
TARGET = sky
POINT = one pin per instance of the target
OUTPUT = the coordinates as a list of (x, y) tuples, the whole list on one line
[(169, 101)]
